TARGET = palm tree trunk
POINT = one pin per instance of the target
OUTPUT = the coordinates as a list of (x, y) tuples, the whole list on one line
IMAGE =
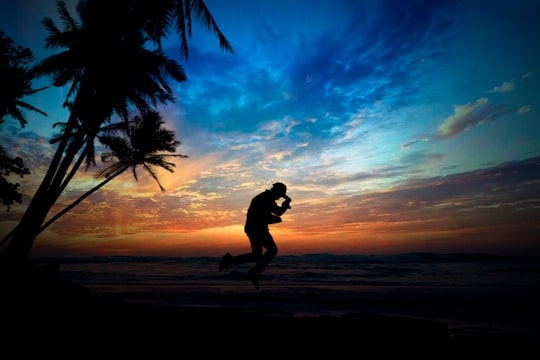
[(64, 173), (81, 198), (19, 242)]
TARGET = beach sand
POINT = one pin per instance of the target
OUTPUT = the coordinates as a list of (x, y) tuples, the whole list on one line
[(48, 315)]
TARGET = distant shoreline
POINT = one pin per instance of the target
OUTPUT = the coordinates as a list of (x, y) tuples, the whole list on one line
[(427, 256)]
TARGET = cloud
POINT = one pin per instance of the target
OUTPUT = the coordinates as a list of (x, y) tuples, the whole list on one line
[(467, 116), (506, 192), (506, 86), (409, 144), (524, 109)]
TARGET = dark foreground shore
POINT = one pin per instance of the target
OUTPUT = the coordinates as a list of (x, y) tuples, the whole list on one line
[(45, 315)]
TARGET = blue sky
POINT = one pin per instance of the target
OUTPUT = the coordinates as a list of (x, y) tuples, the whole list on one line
[(384, 118)]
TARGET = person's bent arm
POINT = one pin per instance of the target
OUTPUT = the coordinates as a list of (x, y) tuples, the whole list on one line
[(280, 210)]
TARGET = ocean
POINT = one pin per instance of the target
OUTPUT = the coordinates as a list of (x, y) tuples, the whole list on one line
[(462, 290)]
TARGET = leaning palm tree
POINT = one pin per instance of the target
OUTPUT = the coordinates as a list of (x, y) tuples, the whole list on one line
[(143, 143), (110, 68)]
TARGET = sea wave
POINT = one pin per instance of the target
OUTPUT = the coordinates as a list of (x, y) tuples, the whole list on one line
[(412, 269)]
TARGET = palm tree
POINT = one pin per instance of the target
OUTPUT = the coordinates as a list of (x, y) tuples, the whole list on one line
[(16, 80), (16, 84), (143, 143), (111, 69)]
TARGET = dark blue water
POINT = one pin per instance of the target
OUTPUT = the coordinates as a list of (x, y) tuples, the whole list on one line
[(413, 269), (466, 290)]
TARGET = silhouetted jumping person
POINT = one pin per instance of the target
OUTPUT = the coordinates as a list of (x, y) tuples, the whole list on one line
[(263, 210)]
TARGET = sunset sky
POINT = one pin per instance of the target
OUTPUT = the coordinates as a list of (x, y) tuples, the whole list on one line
[(398, 126)]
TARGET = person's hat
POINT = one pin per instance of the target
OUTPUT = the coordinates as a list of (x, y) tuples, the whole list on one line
[(280, 187)]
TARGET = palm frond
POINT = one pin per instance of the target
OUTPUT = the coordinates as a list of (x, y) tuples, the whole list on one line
[(66, 18), (208, 21), (29, 107), (143, 143)]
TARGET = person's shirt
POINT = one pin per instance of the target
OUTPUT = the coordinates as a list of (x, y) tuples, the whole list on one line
[(263, 210)]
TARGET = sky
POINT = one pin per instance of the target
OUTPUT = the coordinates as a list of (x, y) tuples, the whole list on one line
[(397, 126)]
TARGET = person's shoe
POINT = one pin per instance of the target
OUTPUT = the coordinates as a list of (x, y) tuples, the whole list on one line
[(225, 262), (254, 277)]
